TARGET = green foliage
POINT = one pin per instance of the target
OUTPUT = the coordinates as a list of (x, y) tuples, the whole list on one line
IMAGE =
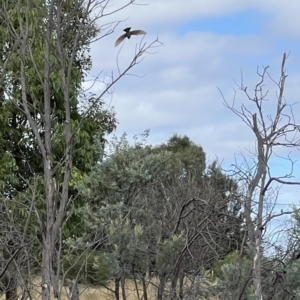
[(124, 172), (234, 276), (22, 146), (20, 152), (232, 258), (21, 165), (292, 263), (168, 252), (187, 157), (292, 275), (202, 287), (7, 169), (90, 267), (134, 198)]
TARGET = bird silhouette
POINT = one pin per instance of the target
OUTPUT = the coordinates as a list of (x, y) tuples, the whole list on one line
[(128, 34)]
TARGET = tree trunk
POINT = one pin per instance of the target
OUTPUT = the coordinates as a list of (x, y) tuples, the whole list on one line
[(49, 236), (161, 287), (46, 269), (173, 290), (117, 288), (145, 295), (181, 280), (174, 280), (257, 268), (123, 288), (26, 290), (74, 291), (136, 284)]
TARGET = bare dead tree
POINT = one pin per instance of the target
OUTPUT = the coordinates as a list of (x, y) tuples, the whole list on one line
[(271, 132)]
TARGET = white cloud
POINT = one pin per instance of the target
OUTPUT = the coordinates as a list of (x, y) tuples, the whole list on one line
[(156, 14), (285, 18), (178, 92), (169, 12)]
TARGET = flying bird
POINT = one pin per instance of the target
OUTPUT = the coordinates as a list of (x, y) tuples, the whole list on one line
[(128, 34)]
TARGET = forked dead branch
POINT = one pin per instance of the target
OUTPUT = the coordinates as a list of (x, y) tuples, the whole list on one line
[(271, 131)]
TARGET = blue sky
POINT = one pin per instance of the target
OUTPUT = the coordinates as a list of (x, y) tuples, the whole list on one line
[(240, 23), (206, 45)]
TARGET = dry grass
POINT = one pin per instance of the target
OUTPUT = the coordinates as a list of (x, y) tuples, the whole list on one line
[(92, 293)]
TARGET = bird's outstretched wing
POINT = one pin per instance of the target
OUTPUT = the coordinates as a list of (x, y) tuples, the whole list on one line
[(137, 32), (120, 39), (133, 32)]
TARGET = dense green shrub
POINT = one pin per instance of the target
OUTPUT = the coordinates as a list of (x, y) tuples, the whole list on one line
[(91, 268)]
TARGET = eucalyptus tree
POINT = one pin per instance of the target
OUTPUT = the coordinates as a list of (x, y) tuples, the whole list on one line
[(49, 120), (161, 211)]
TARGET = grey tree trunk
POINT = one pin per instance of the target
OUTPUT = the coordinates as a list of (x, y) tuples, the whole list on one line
[(161, 287), (145, 295), (73, 289), (123, 287), (181, 281), (117, 288)]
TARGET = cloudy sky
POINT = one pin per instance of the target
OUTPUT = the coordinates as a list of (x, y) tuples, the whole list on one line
[(206, 45)]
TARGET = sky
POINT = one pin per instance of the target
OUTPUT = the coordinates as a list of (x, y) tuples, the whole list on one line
[(208, 44)]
